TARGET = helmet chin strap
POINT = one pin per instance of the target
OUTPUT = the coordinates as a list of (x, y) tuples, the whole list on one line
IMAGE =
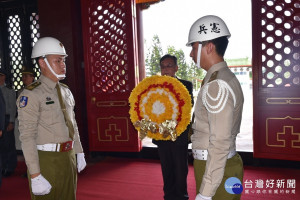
[(58, 76), (199, 55)]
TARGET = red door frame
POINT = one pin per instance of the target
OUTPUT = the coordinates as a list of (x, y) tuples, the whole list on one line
[(111, 72), (276, 103)]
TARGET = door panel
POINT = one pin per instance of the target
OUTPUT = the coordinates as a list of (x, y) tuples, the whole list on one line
[(111, 72), (276, 79)]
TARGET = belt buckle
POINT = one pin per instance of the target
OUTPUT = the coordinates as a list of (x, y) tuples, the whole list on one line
[(67, 146)]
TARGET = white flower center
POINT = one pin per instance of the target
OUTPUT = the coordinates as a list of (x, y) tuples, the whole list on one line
[(158, 108)]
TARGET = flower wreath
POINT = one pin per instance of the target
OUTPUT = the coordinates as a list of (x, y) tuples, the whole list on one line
[(160, 107)]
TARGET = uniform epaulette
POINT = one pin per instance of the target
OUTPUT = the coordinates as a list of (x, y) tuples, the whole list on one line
[(33, 85), (213, 76), (64, 85)]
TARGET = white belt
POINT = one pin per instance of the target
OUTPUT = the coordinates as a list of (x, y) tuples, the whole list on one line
[(60, 147), (199, 154)]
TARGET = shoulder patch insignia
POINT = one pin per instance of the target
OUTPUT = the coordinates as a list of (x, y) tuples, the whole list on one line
[(33, 85), (64, 85), (213, 76), (23, 101)]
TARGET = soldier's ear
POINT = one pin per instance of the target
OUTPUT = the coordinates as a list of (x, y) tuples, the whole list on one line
[(42, 63), (210, 47)]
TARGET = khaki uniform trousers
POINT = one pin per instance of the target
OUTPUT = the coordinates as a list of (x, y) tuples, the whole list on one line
[(234, 168), (59, 168)]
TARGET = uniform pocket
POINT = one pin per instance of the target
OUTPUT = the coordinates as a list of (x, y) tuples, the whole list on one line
[(48, 110)]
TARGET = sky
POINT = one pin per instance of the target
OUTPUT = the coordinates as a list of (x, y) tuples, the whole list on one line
[(171, 21)]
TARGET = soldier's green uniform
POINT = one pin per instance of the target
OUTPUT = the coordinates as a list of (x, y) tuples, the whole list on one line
[(41, 122)]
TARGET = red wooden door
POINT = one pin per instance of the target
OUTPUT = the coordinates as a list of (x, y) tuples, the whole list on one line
[(111, 72), (276, 79)]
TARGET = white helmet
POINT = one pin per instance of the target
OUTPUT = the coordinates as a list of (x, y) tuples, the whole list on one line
[(48, 46), (207, 28)]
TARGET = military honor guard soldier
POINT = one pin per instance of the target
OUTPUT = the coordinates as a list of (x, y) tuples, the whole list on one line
[(218, 112), (48, 129)]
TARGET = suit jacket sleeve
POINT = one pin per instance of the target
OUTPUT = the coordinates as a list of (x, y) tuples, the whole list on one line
[(2, 111), (12, 106), (189, 86)]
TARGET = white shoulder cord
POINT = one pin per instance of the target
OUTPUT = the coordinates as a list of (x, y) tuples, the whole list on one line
[(222, 96)]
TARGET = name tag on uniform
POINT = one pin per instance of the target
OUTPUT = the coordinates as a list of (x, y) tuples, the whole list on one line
[(23, 101)]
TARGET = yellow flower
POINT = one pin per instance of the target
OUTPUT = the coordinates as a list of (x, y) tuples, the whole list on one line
[(160, 99)]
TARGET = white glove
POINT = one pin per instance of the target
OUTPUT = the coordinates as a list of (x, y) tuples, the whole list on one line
[(201, 197), (81, 164), (40, 186)]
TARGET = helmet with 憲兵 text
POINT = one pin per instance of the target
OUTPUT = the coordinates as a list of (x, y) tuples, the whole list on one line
[(207, 28), (48, 46)]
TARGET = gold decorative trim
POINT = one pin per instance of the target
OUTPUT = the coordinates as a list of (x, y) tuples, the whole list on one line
[(294, 141), (146, 1), (282, 133), (293, 100), (111, 103), (113, 126), (279, 140)]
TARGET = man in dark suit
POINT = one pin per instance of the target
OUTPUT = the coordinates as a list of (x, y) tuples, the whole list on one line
[(8, 149), (2, 127), (174, 155)]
